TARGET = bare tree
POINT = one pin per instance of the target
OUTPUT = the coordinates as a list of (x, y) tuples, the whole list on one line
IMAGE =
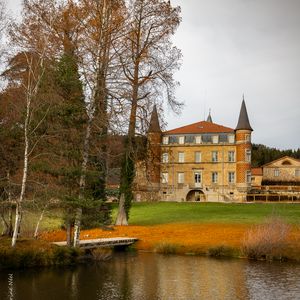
[(32, 44), (148, 61), (101, 21)]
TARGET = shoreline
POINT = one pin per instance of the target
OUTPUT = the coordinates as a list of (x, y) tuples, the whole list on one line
[(209, 240)]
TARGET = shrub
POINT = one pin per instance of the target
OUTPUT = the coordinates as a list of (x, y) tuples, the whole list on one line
[(166, 248), (266, 241), (221, 251), (64, 256)]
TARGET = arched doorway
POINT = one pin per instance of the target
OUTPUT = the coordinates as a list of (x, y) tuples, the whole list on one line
[(195, 195)]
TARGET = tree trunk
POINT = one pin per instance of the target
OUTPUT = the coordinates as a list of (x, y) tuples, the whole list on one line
[(121, 218), (82, 183), (39, 221), (19, 210), (69, 233)]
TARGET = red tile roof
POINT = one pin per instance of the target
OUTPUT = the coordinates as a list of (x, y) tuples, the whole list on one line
[(201, 127), (257, 171)]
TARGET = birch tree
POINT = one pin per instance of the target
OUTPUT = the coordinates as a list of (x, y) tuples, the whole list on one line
[(32, 44)]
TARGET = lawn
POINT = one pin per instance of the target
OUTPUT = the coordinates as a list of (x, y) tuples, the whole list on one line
[(247, 213)]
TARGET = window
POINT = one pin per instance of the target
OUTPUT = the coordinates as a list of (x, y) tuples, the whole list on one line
[(181, 157), (206, 138), (197, 157), (180, 177), (248, 138), (164, 178), (297, 172), (190, 139), (215, 139), (165, 140), (276, 172), (181, 140), (198, 139), (214, 177), (231, 177), (231, 156), (231, 139), (223, 138), (173, 139), (248, 176), (214, 156), (197, 176), (165, 157), (248, 155)]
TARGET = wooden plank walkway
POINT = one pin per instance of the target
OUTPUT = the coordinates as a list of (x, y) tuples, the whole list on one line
[(102, 243)]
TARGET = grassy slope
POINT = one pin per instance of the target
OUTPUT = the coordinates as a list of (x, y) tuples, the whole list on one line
[(165, 213)]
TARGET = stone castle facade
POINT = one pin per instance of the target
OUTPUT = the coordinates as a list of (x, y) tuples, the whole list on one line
[(203, 161)]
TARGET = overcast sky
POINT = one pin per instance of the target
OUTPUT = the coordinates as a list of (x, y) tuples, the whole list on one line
[(236, 47)]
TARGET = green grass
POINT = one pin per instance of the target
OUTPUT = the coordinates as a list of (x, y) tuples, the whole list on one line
[(170, 212), (52, 220)]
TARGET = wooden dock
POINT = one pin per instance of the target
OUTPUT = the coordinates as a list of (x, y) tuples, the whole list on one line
[(102, 243)]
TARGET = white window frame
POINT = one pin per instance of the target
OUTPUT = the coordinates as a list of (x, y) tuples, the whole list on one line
[(165, 140), (214, 156), (164, 177), (231, 156), (198, 157), (231, 138), (198, 139), (248, 154), (181, 157), (248, 138), (276, 173), (231, 177), (197, 175), (180, 177), (165, 157), (214, 177), (181, 140), (248, 176), (215, 139)]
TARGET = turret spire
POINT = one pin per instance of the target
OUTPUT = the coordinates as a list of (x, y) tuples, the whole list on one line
[(209, 118), (243, 122), (154, 122)]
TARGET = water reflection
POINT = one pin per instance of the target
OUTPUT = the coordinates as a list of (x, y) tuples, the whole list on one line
[(150, 276)]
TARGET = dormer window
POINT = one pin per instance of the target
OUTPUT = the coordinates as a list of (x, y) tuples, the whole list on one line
[(181, 140)]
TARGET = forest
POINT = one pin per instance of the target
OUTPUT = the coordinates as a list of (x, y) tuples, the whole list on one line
[(79, 80)]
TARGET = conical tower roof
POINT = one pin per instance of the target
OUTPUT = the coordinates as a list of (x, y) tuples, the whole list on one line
[(209, 118), (154, 122), (243, 123)]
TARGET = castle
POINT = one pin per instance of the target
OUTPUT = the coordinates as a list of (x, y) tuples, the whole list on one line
[(203, 161)]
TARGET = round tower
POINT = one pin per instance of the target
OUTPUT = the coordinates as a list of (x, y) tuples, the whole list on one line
[(154, 149), (243, 132)]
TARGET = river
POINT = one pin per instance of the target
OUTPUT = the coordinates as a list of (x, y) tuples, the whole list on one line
[(153, 276)]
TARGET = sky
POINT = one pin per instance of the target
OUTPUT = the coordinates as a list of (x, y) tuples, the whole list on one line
[(237, 47)]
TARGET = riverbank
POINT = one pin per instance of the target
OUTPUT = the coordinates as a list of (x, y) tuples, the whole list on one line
[(35, 253), (215, 229), (197, 239)]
